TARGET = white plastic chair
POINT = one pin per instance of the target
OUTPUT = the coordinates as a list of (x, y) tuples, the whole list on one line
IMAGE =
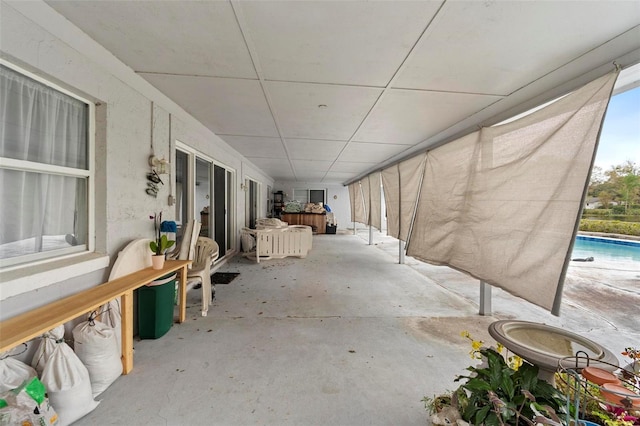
[(186, 249), (134, 257), (206, 252)]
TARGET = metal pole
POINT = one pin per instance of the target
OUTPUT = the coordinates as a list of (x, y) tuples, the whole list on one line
[(370, 235), (401, 252), (485, 299), (354, 227)]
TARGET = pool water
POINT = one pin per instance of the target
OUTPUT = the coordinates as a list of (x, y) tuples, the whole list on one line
[(607, 249)]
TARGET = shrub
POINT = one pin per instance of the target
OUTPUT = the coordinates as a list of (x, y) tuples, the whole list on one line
[(618, 209), (610, 227), (596, 212)]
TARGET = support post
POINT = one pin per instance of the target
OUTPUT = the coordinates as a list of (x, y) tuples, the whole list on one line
[(485, 299), (354, 227), (126, 311), (370, 235), (401, 252), (182, 294)]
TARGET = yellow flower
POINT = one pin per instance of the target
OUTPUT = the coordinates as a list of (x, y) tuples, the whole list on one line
[(465, 333), (476, 344), (475, 354), (499, 348), (515, 362)]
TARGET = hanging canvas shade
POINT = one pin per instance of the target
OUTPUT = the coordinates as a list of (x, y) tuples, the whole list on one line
[(503, 204)]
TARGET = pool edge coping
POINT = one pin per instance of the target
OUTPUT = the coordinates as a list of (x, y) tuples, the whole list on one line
[(609, 235)]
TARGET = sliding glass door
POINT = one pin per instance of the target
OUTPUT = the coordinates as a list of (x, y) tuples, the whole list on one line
[(203, 195), (204, 192), (252, 189)]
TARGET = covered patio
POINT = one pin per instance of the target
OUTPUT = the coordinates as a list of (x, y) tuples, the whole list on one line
[(346, 336)]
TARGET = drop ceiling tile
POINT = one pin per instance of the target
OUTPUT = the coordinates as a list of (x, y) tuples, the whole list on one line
[(313, 166), (498, 47), (411, 116), (255, 146), (351, 167), (186, 37), (298, 111), (276, 168), (338, 176), (310, 176), (361, 43), (313, 149), (370, 152), (225, 105)]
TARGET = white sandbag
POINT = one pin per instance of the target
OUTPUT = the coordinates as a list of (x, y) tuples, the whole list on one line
[(27, 405), (13, 373), (96, 345), (111, 316), (68, 385), (45, 348)]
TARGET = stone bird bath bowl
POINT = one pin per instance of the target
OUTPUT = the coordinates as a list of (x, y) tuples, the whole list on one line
[(544, 346)]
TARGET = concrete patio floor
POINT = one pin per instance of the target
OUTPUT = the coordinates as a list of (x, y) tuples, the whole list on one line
[(346, 336)]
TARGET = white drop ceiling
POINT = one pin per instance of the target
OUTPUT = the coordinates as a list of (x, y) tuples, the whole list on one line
[(328, 90)]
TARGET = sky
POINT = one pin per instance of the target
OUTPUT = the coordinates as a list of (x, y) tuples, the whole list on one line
[(620, 138)]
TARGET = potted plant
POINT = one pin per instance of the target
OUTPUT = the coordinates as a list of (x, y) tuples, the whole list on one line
[(500, 392), (160, 245)]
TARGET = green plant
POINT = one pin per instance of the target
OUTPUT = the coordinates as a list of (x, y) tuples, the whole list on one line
[(159, 246), (618, 209), (499, 395), (610, 226), (161, 243)]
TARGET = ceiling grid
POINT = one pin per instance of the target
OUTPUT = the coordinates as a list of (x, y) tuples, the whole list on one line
[(397, 78)]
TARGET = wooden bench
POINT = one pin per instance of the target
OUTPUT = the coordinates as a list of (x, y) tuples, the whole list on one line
[(31, 324)]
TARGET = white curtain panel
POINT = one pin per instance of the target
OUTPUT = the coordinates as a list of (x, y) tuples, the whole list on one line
[(376, 200), (502, 204), (401, 184), (40, 125)]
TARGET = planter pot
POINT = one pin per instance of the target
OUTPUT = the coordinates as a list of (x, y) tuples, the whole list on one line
[(157, 261)]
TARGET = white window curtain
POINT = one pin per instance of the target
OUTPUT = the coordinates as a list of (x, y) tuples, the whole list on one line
[(503, 204), (43, 144), (401, 184)]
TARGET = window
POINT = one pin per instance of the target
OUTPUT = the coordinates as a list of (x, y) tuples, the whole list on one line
[(45, 169), (309, 195), (252, 202)]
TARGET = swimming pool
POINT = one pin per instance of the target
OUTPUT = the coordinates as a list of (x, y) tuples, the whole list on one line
[(608, 249)]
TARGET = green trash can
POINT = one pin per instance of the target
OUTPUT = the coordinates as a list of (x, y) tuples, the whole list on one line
[(155, 307)]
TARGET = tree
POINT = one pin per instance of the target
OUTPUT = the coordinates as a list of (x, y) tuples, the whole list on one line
[(629, 186), (605, 199), (620, 183)]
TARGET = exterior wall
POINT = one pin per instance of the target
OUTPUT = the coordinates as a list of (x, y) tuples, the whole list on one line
[(36, 38)]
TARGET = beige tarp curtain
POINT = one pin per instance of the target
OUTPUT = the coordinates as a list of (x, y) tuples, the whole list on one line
[(366, 196), (401, 184), (502, 204), (358, 213), (366, 201), (376, 201)]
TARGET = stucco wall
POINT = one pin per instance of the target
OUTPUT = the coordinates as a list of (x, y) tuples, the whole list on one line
[(38, 39)]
